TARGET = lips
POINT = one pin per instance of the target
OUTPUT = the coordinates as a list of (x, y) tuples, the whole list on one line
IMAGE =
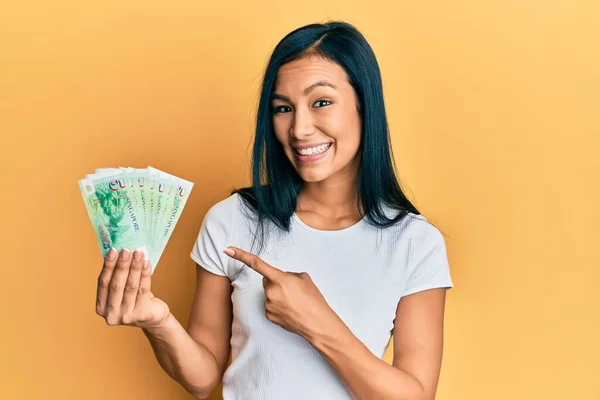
[(315, 153)]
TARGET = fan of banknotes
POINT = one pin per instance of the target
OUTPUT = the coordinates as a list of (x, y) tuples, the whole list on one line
[(133, 208)]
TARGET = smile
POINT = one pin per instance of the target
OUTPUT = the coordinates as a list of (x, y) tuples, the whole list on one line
[(311, 154), (313, 150)]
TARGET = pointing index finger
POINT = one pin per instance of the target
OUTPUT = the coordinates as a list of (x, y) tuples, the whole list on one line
[(254, 262)]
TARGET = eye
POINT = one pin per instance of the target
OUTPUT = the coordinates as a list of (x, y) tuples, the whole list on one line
[(322, 103), (281, 109)]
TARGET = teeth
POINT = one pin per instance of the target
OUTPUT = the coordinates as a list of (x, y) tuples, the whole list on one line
[(313, 150)]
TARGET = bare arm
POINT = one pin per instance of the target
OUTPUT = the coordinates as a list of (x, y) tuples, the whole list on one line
[(197, 358), (417, 353)]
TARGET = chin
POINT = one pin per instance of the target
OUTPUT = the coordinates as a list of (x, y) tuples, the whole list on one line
[(313, 176)]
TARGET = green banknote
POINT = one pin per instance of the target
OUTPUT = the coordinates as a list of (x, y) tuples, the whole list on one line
[(134, 208), (177, 192)]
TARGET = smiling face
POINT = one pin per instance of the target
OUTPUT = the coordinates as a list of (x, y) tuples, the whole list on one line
[(316, 119)]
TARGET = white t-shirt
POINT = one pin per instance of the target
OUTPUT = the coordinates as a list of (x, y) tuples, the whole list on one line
[(362, 271)]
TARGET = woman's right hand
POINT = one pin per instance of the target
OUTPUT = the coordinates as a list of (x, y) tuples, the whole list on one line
[(123, 296)]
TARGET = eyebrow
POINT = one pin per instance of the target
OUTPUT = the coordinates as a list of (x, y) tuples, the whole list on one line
[(277, 96)]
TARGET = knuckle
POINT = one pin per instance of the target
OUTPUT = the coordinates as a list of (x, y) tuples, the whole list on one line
[(110, 310), (305, 275), (103, 283), (123, 265), (272, 295), (126, 319), (112, 320), (131, 287), (254, 262), (108, 268), (137, 265), (99, 308), (114, 287), (143, 290)]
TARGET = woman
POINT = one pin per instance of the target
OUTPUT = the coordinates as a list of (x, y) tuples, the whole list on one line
[(306, 275)]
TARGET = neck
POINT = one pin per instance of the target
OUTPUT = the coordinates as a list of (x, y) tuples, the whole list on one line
[(333, 197)]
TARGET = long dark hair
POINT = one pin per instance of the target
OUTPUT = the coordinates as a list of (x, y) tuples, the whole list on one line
[(275, 183)]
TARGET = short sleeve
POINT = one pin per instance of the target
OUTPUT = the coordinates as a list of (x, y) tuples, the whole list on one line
[(428, 266), (215, 234)]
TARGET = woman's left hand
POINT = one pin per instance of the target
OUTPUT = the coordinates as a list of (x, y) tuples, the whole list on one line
[(292, 299)]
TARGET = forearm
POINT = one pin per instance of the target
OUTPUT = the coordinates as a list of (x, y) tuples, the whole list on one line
[(185, 360), (365, 375)]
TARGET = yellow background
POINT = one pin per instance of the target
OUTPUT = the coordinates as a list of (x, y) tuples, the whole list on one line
[(494, 113)]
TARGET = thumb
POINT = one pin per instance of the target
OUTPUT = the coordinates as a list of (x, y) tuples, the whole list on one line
[(302, 275)]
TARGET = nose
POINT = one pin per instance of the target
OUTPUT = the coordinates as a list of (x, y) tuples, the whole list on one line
[(302, 125)]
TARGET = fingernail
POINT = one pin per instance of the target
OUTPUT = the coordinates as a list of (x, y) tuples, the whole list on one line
[(142, 251), (112, 254), (125, 254), (229, 252), (146, 264), (137, 255)]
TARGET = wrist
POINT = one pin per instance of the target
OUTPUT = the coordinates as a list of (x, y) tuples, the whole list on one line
[(163, 325), (325, 332)]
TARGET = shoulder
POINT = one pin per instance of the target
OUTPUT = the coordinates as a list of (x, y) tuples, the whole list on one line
[(422, 229), (425, 245), (416, 230), (229, 215), (216, 232)]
